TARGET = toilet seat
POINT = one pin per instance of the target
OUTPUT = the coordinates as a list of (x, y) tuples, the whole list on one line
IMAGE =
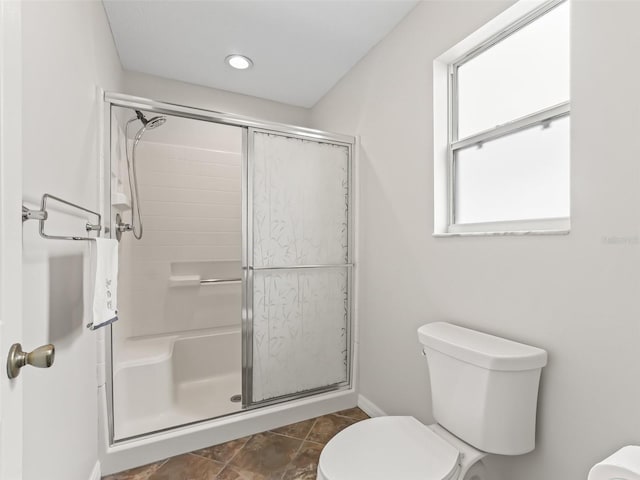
[(384, 448)]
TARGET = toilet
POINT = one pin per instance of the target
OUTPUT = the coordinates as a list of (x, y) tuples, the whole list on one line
[(621, 465), (484, 395)]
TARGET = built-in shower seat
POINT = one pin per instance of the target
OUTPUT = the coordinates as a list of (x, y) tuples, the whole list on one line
[(145, 351)]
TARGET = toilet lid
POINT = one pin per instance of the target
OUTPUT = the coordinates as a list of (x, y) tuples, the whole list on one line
[(386, 448)]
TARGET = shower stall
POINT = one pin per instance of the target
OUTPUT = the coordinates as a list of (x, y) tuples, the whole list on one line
[(236, 271)]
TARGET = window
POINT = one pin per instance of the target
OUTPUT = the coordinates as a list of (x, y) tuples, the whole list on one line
[(508, 128)]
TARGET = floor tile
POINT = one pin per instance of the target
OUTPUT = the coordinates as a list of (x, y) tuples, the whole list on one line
[(327, 426), (223, 452), (296, 430), (355, 413), (187, 467), (267, 454), (305, 464), (291, 452), (139, 473), (234, 473)]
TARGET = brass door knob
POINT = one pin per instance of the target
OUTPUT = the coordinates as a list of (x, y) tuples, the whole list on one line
[(41, 357)]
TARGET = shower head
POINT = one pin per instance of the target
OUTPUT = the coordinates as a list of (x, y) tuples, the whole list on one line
[(153, 123), (156, 122)]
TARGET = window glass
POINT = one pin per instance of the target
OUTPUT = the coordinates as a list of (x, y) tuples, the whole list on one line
[(524, 73), (520, 176)]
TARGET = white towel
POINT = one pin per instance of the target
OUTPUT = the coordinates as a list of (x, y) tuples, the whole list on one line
[(105, 294)]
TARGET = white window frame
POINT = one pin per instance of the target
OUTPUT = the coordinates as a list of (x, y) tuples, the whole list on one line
[(505, 26)]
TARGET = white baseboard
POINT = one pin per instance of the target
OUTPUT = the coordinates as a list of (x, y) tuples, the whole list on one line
[(95, 473), (369, 407)]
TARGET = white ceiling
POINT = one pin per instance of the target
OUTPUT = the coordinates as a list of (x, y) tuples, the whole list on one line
[(300, 48)]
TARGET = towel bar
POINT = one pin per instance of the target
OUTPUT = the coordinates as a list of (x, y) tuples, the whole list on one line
[(42, 215)]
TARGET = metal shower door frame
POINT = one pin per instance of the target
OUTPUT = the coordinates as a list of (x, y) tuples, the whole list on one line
[(248, 125), (248, 269)]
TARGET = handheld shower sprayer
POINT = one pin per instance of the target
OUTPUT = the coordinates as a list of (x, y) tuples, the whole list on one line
[(147, 124), (150, 124)]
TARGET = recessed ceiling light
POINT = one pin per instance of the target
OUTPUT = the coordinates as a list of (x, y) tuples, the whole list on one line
[(239, 62)]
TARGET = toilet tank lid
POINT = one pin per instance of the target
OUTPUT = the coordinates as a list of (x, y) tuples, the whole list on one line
[(481, 349)]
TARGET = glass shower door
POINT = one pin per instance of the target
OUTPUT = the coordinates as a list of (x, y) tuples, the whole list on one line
[(298, 267)]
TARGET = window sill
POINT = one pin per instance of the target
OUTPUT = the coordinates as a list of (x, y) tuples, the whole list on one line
[(546, 226), (515, 233)]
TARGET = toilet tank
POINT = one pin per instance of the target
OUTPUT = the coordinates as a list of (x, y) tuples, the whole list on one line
[(484, 388)]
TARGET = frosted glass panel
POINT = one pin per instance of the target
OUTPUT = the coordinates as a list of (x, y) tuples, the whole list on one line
[(300, 201), (524, 73), (299, 330), (518, 177), (300, 218)]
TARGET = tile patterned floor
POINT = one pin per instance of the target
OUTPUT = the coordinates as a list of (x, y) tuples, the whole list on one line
[(287, 453)]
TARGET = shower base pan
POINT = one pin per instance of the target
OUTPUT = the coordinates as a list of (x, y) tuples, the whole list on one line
[(174, 380)]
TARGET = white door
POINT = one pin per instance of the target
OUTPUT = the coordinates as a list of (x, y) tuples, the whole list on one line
[(11, 415)]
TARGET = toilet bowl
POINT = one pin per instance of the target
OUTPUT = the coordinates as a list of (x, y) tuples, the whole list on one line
[(621, 465), (484, 396), (386, 448)]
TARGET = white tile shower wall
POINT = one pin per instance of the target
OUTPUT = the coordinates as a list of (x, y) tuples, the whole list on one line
[(576, 295), (191, 204)]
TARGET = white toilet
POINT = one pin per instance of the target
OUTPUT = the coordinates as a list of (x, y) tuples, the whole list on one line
[(621, 465), (484, 392)]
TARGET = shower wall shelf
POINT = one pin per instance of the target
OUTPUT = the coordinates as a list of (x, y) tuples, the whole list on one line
[(120, 202), (42, 215), (184, 280)]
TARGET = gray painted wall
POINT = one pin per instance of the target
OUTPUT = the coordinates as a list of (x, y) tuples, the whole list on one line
[(173, 91), (575, 295), (67, 53)]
